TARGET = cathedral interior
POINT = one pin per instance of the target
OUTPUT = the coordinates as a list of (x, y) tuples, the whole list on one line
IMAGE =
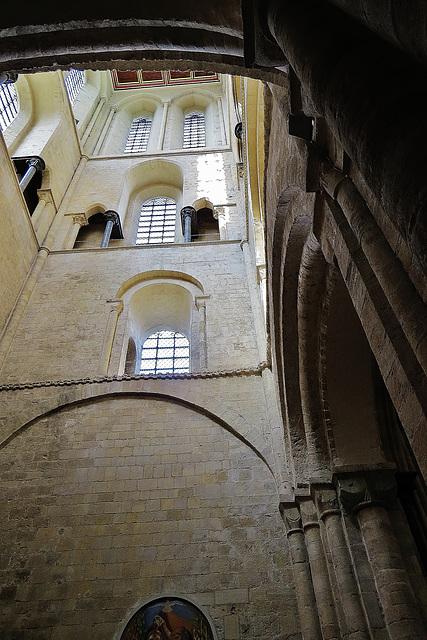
[(213, 345)]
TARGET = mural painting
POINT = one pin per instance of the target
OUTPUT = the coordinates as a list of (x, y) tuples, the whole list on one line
[(168, 619)]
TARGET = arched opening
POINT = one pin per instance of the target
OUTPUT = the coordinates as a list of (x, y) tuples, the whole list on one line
[(168, 619), (91, 234)]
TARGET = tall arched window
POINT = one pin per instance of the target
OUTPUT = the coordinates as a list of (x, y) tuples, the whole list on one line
[(74, 81), (194, 130), (165, 352), (138, 136), (157, 222), (9, 106)]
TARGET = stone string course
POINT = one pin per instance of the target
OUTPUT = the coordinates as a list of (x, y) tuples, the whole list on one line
[(197, 375)]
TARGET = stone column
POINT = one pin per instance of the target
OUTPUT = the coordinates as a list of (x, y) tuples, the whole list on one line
[(221, 120), (367, 496), (116, 307), (91, 125), (347, 587), (219, 214), (34, 164), (105, 129), (319, 572), (309, 621), (79, 220), (44, 213), (203, 343), (112, 219), (188, 222), (163, 125)]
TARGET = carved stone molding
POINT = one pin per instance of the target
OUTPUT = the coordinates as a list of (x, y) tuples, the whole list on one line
[(327, 502), (291, 517), (372, 488), (308, 514)]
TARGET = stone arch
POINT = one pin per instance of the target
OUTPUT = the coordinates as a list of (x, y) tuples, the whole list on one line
[(285, 245), (90, 235), (188, 102), (213, 408), (126, 110), (145, 180), (156, 301)]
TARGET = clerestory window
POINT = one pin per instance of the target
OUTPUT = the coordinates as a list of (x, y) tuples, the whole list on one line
[(165, 352), (194, 130), (157, 222), (74, 81), (138, 136), (9, 105)]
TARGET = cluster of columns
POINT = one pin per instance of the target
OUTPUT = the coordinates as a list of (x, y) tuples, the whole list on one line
[(333, 594)]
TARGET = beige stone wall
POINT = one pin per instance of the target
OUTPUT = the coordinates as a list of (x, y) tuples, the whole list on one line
[(110, 503)]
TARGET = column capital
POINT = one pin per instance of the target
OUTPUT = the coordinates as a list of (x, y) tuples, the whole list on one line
[(45, 195), (192, 214), (364, 490), (327, 502), (308, 513), (291, 517), (78, 218), (200, 301), (36, 162), (8, 77), (113, 216)]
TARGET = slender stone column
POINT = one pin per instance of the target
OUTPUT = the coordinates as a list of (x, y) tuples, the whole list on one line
[(309, 621), (319, 572), (105, 129), (34, 164), (44, 213), (166, 106), (91, 125), (203, 344), (347, 588), (219, 214), (221, 120), (116, 307), (112, 219), (366, 496), (79, 220), (188, 222)]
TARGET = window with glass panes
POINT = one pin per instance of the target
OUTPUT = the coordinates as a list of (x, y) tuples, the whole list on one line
[(194, 130), (8, 105), (157, 222), (74, 81), (138, 136), (165, 352)]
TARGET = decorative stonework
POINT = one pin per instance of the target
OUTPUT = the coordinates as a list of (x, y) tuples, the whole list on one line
[(373, 488), (291, 517), (197, 375)]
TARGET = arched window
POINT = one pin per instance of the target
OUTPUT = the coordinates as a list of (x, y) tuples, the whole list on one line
[(74, 81), (165, 352), (157, 222), (9, 106), (138, 136), (194, 130)]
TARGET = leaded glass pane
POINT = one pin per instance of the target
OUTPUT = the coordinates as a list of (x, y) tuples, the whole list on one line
[(194, 130), (8, 105), (160, 353), (157, 222), (74, 81), (138, 136)]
